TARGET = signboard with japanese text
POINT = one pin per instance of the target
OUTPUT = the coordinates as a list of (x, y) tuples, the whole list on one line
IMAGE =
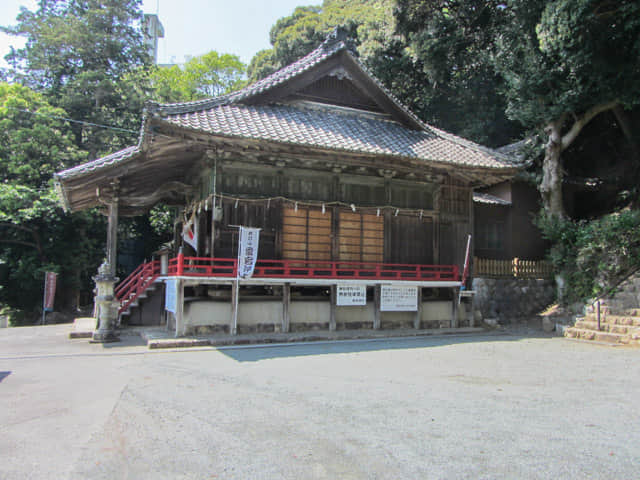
[(349, 295), (171, 295), (247, 251), (398, 299), (50, 279)]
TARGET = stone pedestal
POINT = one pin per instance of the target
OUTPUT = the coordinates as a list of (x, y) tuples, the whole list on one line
[(107, 306)]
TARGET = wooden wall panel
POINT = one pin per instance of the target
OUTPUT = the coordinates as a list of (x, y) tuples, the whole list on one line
[(360, 237), (411, 240), (306, 234)]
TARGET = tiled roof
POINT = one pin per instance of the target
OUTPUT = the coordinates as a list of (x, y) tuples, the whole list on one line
[(328, 48), (100, 163), (337, 130), (328, 128), (489, 199)]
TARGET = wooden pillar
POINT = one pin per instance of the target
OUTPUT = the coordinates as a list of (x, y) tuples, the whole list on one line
[(454, 308), (418, 318), (212, 245), (235, 297), (112, 236), (286, 303), (180, 324), (332, 308), (376, 307)]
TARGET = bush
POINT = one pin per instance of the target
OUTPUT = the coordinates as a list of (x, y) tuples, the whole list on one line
[(593, 256)]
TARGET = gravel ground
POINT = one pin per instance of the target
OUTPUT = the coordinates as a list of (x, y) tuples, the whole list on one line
[(514, 404)]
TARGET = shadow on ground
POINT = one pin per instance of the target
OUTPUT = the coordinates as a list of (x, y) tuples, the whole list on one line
[(127, 339), (255, 353)]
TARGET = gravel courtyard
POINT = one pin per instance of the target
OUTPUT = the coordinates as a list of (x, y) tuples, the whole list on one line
[(511, 405)]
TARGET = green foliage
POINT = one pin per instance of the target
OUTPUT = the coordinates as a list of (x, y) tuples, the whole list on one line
[(593, 255), (208, 75), (446, 73), (433, 55), (368, 22), (36, 235), (565, 56), (83, 55)]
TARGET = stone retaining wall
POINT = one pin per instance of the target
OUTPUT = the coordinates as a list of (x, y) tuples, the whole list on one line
[(512, 300), (626, 296)]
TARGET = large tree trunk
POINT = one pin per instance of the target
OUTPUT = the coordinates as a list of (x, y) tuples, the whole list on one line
[(552, 173)]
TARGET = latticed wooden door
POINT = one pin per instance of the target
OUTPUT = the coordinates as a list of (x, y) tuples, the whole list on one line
[(360, 237), (306, 234)]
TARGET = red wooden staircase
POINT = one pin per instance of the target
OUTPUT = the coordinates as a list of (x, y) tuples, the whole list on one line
[(132, 288)]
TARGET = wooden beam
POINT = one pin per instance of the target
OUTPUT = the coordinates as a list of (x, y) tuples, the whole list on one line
[(332, 308), (376, 307), (112, 236), (454, 307), (286, 304), (235, 294), (418, 318), (179, 315)]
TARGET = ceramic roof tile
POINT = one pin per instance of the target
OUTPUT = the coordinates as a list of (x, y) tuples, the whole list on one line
[(100, 163), (336, 130)]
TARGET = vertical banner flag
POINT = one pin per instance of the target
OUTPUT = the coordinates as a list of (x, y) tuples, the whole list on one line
[(190, 231), (49, 290), (247, 251)]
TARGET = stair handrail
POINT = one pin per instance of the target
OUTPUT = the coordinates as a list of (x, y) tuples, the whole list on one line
[(609, 291), (130, 278), (136, 283)]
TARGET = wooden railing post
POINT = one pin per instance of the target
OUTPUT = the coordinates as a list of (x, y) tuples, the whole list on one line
[(180, 265)]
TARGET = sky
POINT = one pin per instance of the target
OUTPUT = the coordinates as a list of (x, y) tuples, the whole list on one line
[(192, 27)]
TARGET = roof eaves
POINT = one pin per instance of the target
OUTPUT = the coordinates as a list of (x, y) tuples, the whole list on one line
[(98, 164), (436, 162), (485, 198)]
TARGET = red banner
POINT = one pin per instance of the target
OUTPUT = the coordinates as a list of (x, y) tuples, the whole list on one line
[(49, 290)]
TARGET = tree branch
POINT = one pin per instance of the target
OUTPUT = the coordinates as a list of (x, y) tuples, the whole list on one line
[(20, 242), (17, 227), (580, 122)]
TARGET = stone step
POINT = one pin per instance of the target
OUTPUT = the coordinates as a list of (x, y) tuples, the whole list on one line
[(609, 310), (629, 320), (604, 337), (605, 327)]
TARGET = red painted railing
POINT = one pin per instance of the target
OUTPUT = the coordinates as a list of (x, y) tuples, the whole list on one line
[(313, 269), (136, 283)]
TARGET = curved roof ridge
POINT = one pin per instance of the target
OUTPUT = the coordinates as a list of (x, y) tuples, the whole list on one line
[(332, 45)]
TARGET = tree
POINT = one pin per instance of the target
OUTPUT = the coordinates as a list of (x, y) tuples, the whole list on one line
[(86, 59), (85, 55), (444, 70), (564, 62), (368, 23), (35, 142), (208, 75)]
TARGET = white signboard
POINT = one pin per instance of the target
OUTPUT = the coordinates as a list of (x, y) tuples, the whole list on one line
[(398, 299), (171, 295), (351, 295), (247, 251)]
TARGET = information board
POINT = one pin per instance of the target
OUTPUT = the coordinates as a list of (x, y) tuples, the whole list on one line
[(171, 295), (349, 295), (398, 299)]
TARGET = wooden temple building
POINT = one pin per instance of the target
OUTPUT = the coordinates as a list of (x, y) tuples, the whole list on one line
[(349, 189)]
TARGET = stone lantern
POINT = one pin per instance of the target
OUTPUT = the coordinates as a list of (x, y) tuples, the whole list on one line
[(107, 311)]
